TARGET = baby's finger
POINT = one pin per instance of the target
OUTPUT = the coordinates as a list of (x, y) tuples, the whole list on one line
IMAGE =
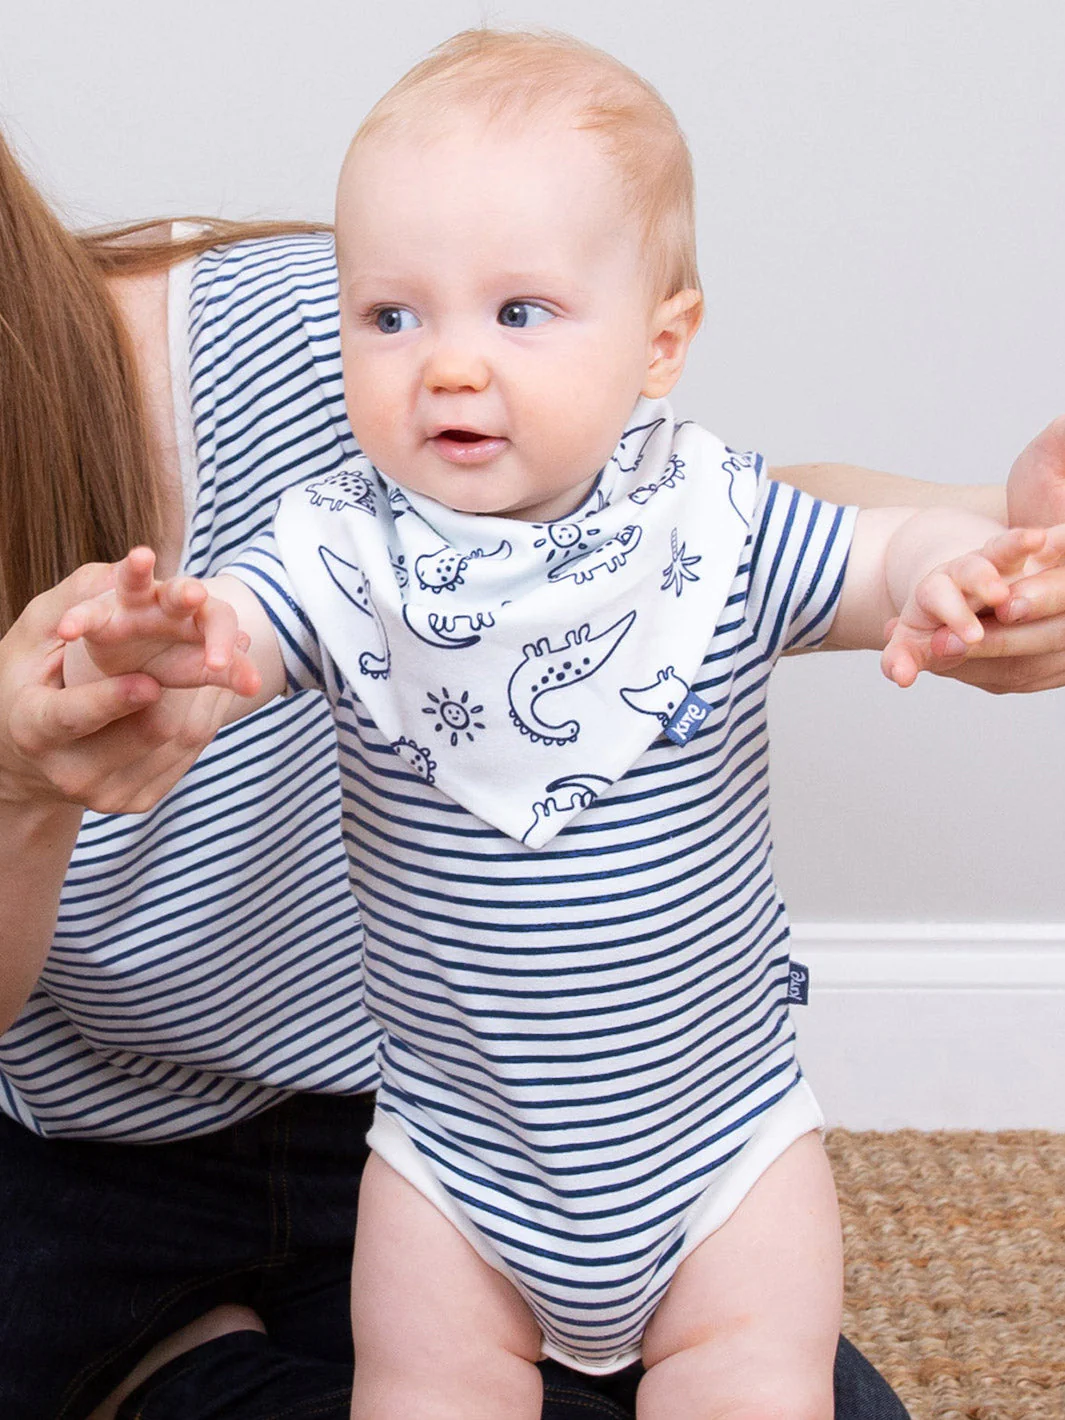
[(181, 596), (944, 597), (244, 677), (85, 619), (182, 666), (135, 576), (217, 623), (899, 664), (979, 579)]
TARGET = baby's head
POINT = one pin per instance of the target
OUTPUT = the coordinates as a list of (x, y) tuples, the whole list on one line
[(515, 242)]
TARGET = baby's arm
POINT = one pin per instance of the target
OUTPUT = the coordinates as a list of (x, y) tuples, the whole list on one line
[(912, 575), (182, 632)]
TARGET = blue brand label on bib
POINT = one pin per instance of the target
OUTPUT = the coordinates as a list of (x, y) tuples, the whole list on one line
[(688, 720), (798, 984)]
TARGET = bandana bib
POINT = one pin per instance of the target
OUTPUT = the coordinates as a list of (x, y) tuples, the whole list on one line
[(524, 667)]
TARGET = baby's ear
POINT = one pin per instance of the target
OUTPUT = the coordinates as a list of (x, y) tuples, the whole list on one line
[(673, 326)]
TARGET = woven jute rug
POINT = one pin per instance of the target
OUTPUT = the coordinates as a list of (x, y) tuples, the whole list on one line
[(955, 1268)]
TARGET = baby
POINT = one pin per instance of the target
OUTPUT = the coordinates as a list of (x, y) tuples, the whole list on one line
[(545, 613)]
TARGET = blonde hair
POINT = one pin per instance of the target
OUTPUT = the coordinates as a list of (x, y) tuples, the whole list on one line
[(513, 75), (77, 465)]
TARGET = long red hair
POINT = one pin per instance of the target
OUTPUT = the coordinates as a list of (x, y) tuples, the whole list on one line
[(76, 469)]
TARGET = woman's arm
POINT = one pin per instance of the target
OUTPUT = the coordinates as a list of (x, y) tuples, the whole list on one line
[(1024, 649), (59, 749), (846, 483), (44, 777)]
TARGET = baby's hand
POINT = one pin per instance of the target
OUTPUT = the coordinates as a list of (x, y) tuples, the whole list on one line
[(944, 605), (173, 630)]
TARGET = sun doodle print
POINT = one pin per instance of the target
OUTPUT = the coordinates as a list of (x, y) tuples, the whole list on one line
[(454, 717)]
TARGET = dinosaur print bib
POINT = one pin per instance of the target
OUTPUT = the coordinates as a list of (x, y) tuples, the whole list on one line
[(524, 667)]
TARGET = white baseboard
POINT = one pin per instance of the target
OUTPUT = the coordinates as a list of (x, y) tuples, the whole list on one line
[(935, 1025)]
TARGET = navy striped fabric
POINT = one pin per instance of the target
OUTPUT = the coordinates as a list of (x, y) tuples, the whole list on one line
[(579, 1038), (208, 954)]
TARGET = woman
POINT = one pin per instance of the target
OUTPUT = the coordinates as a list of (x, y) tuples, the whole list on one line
[(184, 1085)]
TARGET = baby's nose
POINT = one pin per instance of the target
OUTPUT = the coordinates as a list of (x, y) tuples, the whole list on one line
[(455, 366)]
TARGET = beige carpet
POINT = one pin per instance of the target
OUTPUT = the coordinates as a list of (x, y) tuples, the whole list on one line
[(955, 1268)]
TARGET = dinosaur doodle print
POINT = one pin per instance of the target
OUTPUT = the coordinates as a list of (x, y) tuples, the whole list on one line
[(398, 502), (564, 538), (442, 570), (663, 697), (608, 557), (563, 797), (674, 472), (356, 588), (520, 667), (629, 454), (417, 757), (446, 633), (545, 669), (348, 488)]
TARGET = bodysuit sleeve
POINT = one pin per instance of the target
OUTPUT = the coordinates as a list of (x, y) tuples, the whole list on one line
[(798, 552), (259, 566)]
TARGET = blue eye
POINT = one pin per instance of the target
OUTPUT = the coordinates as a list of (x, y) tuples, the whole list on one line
[(519, 315), (390, 320)]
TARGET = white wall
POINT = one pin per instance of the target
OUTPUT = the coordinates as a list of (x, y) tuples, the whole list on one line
[(882, 192)]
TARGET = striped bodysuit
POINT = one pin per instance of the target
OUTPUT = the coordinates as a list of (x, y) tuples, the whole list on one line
[(587, 1057)]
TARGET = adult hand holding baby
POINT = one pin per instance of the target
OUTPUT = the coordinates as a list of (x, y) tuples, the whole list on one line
[(941, 617), (1023, 645), (105, 743), (173, 631)]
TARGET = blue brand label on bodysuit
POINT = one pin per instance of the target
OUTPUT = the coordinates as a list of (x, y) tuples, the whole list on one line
[(688, 720), (798, 984)]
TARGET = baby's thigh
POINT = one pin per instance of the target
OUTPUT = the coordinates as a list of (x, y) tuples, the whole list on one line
[(750, 1323), (437, 1331)]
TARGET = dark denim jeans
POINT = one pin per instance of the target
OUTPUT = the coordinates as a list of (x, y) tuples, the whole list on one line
[(107, 1248)]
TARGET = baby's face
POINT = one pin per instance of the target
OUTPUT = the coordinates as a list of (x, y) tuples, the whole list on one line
[(496, 324)]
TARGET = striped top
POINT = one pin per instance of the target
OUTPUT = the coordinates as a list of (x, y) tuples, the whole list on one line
[(207, 955), (580, 1039)]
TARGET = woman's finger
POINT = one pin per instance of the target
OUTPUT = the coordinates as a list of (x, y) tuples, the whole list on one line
[(1008, 551), (1025, 638), (46, 718), (1032, 598)]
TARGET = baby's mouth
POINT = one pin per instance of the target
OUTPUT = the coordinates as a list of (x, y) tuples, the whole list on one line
[(467, 446), (462, 436)]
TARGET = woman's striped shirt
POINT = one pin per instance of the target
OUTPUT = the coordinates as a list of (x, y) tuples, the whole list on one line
[(588, 1045), (208, 954)]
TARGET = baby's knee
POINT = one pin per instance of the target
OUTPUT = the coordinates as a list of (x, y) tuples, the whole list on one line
[(701, 1384)]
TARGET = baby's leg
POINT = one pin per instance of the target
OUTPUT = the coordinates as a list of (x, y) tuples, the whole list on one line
[(749, 1326), (439, 1335)]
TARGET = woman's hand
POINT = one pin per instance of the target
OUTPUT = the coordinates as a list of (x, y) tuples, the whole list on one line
[(173, 630), (116, 742), (941, 616), (1023, 647)]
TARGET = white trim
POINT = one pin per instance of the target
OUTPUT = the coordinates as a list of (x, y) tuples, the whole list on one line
[(931, 956), (935, 1025)]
